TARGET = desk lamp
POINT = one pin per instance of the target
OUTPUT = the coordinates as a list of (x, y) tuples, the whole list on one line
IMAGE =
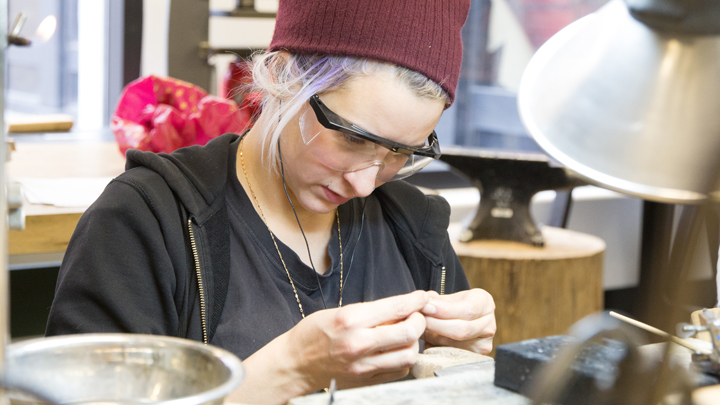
[(629, 99)]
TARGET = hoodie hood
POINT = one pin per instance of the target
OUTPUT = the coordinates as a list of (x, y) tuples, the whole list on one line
[(196, 174)]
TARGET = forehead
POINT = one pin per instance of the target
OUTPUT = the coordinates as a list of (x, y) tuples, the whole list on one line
[(383, 105)]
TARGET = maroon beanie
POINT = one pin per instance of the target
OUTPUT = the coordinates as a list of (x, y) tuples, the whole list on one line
[(421, 35)]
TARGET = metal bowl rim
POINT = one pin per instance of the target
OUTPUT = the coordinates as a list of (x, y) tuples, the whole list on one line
[(228, 359)]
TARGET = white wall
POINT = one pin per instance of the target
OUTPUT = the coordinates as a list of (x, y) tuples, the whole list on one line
[(92, 64), (156, 26)]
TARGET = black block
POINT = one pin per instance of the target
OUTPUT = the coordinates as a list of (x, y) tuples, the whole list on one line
[(594, 368)]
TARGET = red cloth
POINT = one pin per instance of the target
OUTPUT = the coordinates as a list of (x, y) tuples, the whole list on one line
[(421, 35), (235, 86), (163, 114)]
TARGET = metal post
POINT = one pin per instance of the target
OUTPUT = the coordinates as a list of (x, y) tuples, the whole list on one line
[(189, 22), (4, 276), (656, 243), (474, 68)]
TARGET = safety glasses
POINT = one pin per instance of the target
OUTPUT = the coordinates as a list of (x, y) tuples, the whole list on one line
[(343, 146)]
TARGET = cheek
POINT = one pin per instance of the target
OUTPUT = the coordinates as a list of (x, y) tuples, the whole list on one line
[(302, 170), (297, 162)]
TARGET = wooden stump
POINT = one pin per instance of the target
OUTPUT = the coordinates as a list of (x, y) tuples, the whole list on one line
[(537, 291)]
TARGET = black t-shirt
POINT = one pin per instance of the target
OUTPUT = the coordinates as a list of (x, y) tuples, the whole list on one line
[(261, 304)]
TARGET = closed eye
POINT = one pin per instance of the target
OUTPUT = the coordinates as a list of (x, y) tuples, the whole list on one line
[(353, 139)]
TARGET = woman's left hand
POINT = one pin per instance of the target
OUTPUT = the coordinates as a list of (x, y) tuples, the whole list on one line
[(465, 320)]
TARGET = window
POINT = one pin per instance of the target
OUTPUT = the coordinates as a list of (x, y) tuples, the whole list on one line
[(499, 39), (43, 77)]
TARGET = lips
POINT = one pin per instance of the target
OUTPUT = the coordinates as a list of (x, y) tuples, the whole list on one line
[(334, 197)]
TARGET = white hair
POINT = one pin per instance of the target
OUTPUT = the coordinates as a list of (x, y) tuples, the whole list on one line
[(286, 81)]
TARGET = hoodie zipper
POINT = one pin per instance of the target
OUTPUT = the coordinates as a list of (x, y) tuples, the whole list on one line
[(442, 281), (203, 320)]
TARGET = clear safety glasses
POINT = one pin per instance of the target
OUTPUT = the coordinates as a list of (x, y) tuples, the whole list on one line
[(340, 145)]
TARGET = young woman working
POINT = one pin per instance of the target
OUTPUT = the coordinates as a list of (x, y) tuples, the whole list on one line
[(293, 245)]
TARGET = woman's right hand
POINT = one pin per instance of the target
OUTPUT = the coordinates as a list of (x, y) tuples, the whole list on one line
[(359, 344)]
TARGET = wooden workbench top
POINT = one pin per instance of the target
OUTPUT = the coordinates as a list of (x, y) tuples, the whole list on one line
[(48, 228), (470, 385)]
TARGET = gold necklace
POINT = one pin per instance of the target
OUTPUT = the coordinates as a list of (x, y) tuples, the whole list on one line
[(272, 236)]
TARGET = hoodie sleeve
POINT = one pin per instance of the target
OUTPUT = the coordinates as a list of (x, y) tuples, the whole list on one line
[(117, 274)]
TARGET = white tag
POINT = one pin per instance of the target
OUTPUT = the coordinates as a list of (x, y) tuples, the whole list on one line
[(498, 212)]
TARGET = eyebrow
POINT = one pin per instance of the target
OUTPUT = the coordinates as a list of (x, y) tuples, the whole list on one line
[(429, 149), (422, 144)]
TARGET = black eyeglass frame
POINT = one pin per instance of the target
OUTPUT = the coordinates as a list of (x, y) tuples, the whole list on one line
[(330, 120)]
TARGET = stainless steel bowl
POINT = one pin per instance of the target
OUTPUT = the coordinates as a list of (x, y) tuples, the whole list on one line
[(122, 368)]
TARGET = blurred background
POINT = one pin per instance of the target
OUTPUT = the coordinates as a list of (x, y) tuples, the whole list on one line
[(84, 52)]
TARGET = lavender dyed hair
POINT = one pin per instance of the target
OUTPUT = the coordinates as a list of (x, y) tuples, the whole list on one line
[(287, 81)]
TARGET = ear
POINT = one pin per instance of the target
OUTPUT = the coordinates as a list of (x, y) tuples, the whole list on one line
[(277, 61), (285, 55)]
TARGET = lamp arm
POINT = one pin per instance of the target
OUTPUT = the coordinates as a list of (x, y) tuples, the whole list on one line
[(701, 17)]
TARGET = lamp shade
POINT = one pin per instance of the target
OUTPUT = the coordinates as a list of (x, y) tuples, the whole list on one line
[(628, 107)]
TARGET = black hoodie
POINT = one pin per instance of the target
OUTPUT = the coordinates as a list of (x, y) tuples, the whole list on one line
[(152, 255)]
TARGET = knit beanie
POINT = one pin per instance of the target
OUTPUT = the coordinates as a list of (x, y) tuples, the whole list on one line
[(421, 35)]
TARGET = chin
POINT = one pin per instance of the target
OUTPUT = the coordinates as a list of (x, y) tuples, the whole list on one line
[(318, 206), (326, 210), (324, 207)]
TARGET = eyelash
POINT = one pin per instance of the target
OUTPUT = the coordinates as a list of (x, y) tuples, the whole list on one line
[(353, 139)]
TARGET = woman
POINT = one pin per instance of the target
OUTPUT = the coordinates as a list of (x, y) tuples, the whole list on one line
[(292, 245)]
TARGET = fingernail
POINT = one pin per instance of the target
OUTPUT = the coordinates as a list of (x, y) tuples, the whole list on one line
[(427, 297), (429, 309)]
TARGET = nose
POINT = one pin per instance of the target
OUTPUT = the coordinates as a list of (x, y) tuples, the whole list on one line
[(363, 182)]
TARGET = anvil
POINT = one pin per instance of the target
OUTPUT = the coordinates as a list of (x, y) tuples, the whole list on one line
[(507, 182)]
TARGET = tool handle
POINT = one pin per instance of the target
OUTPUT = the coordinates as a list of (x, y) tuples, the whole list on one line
[(652, 329)]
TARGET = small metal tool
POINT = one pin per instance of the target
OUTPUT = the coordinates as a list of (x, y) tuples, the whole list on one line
[(695, 347), (14, 35), (333, 387), (712, 325)]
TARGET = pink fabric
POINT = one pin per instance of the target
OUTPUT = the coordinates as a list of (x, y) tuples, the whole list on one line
[(163, 114)]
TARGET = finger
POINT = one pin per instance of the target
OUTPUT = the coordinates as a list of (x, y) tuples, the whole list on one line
[(398, 335), (389, 376), (460, 330), (369, 341), (466, 305), (353, 382), (480, 345), (387, 361), (458, 296), (387, 310)]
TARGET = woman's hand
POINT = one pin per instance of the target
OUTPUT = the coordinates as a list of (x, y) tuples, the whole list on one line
[(465, 320), (357, 345), (360, 344)]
